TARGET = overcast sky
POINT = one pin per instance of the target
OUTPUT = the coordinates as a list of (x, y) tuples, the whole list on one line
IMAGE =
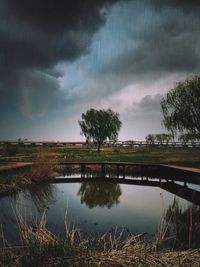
[(60, 58)]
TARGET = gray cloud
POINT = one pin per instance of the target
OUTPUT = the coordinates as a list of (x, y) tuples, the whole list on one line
[(165, 39), (38, 94), (144, 117), (148, 104), (187, 6), (34, 94)]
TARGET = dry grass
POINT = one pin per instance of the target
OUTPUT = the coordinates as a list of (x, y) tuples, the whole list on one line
[(41, 248), (40, 172), (133, 253)]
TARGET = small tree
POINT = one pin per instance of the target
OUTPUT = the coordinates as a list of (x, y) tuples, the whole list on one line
[(100, 125), (150, 139), (181, 107), (163, 137)]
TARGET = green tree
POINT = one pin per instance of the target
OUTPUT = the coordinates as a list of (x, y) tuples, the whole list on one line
[(150, 139), (181, 108), (100, 125), (163, 137)]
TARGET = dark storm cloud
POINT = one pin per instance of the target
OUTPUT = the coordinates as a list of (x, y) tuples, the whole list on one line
[(35, 35), (165, 39), (39, 33), (191, 5)]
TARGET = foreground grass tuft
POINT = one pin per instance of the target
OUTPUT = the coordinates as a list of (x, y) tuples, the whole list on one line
[(41, 248)]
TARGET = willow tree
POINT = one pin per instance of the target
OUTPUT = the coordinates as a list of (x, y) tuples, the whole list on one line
[(100, 125), (181, 107)]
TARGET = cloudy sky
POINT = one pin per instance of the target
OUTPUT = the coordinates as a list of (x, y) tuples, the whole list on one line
[(60, 58)]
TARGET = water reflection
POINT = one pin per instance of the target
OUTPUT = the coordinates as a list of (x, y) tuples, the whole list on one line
[(42, 195), (182, 191), (95, 184), (184, 224), (99, 194)]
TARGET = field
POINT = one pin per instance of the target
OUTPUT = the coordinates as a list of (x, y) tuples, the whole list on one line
[(184, 156)]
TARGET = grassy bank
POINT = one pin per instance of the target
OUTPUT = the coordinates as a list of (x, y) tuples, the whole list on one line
[(15, 180), (178, 156)]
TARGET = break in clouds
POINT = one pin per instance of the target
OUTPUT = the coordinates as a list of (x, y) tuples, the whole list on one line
[(59, 58)]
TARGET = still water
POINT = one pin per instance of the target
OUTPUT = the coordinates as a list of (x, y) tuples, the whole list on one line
[(94, 207)]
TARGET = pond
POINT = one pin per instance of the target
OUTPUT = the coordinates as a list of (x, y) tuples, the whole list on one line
[(94, 206)]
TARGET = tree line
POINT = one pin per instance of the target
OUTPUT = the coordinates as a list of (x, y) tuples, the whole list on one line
[(167, 137)]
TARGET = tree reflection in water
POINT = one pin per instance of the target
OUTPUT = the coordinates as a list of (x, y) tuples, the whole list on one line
[(184, 224), (99, 194), (42, 195)]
